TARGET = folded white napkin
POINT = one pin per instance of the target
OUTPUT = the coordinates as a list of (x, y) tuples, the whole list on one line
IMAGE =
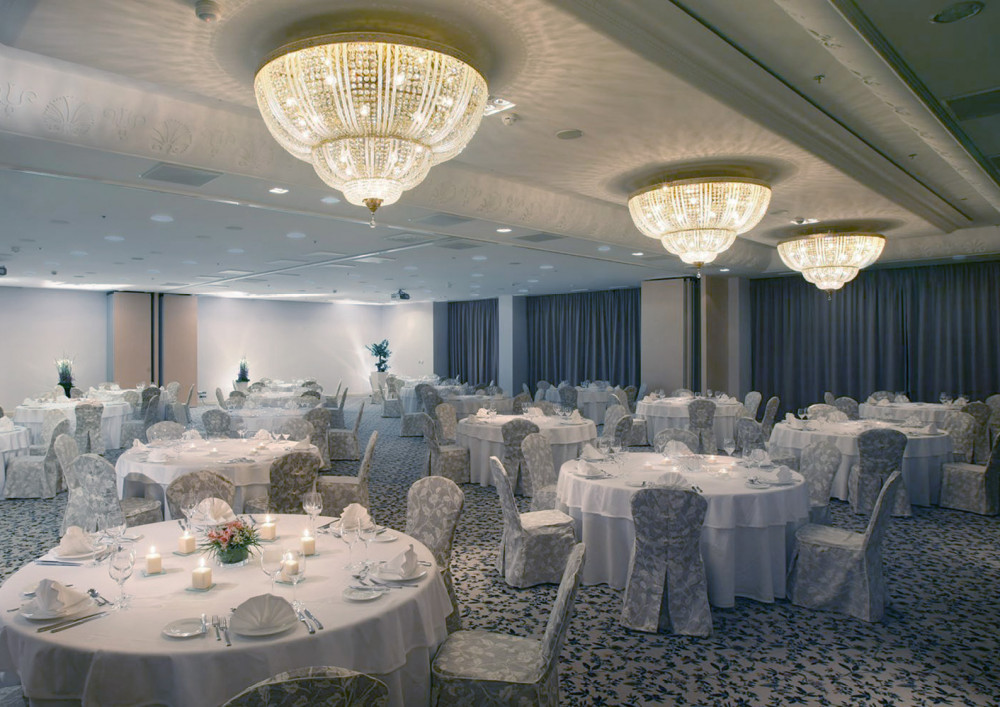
[(883, 401), (302, 444), (913, 421), (758, 456), (675, 448), (191, 434), (902, 399), (137, 444), (6, 424), (212, 511), (589, 451), (725, 398), (262, 612), (262, 435), (931, 429), (585, 468), (672, 479), (157, 455), (354, 515), (52, 598), (784, 475), (576, 416), (961, 401), (482, 413), (404, 565), (534, 412), (74, 542)]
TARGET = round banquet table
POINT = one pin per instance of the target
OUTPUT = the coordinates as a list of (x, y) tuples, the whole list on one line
[(746, 539), (243, 461), (32, 416), (593, 402), (294, 386), (672, 413), (484, 439), (13, 443), (900, 412), (275, 399), (466, 405), (922, 459), (266, 418), (412, 402), (123, 659)]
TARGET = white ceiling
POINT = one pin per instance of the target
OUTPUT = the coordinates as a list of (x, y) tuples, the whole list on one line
[(94, 94)]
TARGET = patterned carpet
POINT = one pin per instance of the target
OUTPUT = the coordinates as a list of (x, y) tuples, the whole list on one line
[(938, 644)]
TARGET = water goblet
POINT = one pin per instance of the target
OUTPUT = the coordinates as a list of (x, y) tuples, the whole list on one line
[(312, 504), (943, 398), (121, 562), (349, 535), (272, 560), (802, 413), (729, 445), (367, 534), (113, 526), (293, 569)]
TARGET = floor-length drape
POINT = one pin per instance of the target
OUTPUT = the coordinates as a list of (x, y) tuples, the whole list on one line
[(584, 336), (473, 340)]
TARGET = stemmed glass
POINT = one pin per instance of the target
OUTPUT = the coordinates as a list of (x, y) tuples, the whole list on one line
[(120, 566), (293, 569), (802, 413), (113, 526), (272, 560), (188, 510), (943, 398), (350, 535), (729, 444), (366, 534), (312, 504)]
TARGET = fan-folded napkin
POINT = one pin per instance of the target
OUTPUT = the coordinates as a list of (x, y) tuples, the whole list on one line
[(212, 511), (576, 416), (262, 612), (676, 448), (74, 542), (961, 401), (190, 434), (672, 479), (52, 597), (262, 434), (137, 444), (902, 399), (589, 451), (355, 515), (302, 444), (404, 565), (482, 413), (883, 401)]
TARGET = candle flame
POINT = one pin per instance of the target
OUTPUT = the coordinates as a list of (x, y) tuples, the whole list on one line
[(152, 549), (201, 562)]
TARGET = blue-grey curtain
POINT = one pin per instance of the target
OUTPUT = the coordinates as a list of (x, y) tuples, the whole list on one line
[(918, 330), (584, 336), (473, 340)]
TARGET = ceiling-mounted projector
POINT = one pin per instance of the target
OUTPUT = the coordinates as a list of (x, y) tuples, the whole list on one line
[(399, 294)]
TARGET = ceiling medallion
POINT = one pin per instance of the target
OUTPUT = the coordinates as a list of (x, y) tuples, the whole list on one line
[(829, 260), (696, 219), (372, 113)]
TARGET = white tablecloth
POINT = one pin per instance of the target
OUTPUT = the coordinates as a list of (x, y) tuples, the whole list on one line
[(13, 443), (672, 413), (123, 659), (593, 402), (32, 416), (135, 473), (922, 459), (412, 403), (466, 405), (266, 418), (900, 412), (274, 398), (745, 540), (485, 440)]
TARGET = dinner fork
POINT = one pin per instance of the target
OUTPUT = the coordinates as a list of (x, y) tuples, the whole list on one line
[(215, 625), (224, 624)]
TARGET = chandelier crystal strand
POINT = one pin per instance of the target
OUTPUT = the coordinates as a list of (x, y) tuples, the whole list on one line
[(696, 219), (371, 113), (830, 260)]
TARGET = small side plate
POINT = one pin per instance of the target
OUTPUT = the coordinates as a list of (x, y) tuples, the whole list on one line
[(184, 628), (353, 594)]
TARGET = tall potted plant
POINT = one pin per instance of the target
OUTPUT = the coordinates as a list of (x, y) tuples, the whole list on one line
[(64, 366), (242, 382), (380, 350)]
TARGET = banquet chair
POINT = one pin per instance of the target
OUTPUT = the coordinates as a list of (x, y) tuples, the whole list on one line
[(522, 401), (770, 410), (431, 399), (134, 399), (880, 453), (96, 477), (173, 389), (667, 589), (540, 480), (961, 427), (218, 423), (525, 389), (312, 385), (256, 387), (981, 444), (340, 491), (818, 464), (88, 428), (392, 406), (49, 422), (77, 511), (297, 429), (136, 429), (337, 413), (309, 396), (445, 459), (631, 396), (66, 452), (622, 399), (181, 414), (345, 444), (447, 421), (840, 570), (848, 406), (547, 407), (821, 411), (433, 506), (701, 421), (535, 545), (749, 435), (75, 393), (972, 487), (36, 477), (679, 392), (373, 379), (165, 430), (220, 398), (195, 486), (486, 668), (882, 395), (237, 399), (567, 397), (319, 685), (623, 431), (829, 398), (993, 403), (612, 414), (686, 437), (147, 396), (291, 475), (751, 402), (514, 433), (319, 418), (541, 389)]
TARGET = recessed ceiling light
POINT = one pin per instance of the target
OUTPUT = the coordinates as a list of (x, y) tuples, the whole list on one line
[(477, 274), (495, 104), (571, 134), (504, 230), (236, 251), (723, 269), (295, 235), (604, 248), (522, 290), (161, 218), (532, 281), (278, 190), (546, 267), (78, 253), (958, 257), (638, 254), (114, 239), (153, 271), (479, 257), (330, 200), (958, 11), (410, 267), (802, 220)]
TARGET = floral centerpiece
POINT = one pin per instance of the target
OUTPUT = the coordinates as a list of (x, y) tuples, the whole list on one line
[(380, 350), (64, 366), (243, 375), (231, 542)]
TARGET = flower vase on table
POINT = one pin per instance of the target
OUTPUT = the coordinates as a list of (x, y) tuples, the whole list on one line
[(230, 543), (233, 557)]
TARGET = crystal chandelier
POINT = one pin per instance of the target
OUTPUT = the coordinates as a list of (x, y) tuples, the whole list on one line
[(372, 113), (828, 260), (696, 219)]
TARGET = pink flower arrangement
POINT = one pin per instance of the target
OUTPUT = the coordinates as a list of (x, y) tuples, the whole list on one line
[(232, 538)]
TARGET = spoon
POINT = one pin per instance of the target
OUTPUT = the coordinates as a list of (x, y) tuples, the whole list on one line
[(101, 601)]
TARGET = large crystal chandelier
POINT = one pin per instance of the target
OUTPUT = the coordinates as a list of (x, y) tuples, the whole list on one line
[(828, 260), (696, 219), (371, 112)]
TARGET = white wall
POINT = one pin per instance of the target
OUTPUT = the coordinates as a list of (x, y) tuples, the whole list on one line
[(410, 331), (38, 326)]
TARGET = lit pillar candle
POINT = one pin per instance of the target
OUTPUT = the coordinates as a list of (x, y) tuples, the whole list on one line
[(185, 543), (154, 563), (268, 529), (308, 543), (289, 568), (201, 578)]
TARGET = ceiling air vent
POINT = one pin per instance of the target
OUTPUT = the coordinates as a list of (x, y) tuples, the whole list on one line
[(539, 237), (408, 238), (444, 220), (977, 105), (457, 244), (176, 174)]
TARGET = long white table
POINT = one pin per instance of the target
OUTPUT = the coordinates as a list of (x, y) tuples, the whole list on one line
[(745, 540), (14, 442), (32, 416), (122, 659), (484, 439), (900, 412), (672, 413), (922, 459)]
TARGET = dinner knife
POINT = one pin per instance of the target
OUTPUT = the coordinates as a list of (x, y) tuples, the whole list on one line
[(83, 620), (58, 563), (64, 622), (305, 621), (310, 615)]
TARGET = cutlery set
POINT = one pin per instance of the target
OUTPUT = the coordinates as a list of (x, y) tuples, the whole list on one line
[(71, 623), (221, 625)]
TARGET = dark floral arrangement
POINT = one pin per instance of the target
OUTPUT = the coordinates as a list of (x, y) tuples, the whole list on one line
[(232, 541), (380, 350), (64, 367), (244, 373)]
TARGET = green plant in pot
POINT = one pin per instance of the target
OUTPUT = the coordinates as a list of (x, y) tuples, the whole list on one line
[(243, 375), (64, 366), (380, 350)]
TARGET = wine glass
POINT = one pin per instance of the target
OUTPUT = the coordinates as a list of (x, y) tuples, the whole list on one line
[(366, 534), (312, 504), (272, 560), (349, 534), (113, 526), (729, 444), (293, 569), (943, 398), (188, 510), (121, 562), (802, 413)]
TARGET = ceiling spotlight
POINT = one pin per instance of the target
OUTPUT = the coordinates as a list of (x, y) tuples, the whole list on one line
[(958, 11), (638, 254), (604, 248), (161, 218), (495, 104), (207, 10), (330, 200), (278, 190), (504, 230), (571, 134), (723, 269), (400, 294)]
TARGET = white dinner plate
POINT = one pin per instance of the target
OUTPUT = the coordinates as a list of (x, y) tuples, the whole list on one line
[(239, 628), (71, 556), (386, 537), (584, 475), (380, 573), (184, 628), (758, 485), (355, 594), (29, 612)]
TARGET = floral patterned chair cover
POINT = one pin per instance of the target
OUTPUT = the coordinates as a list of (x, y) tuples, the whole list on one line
[(221, 398), (623, 431), (535, 545), (75, 393), (164, 430), (701, 421), (549, 408), (981, 445), (310, 397), (148, 394), (880, 453), (819, 464), (96, 477), (567, 396), (218, 423), (319, 418), (341, 491), (971, 487), (344, 444), (612, 414), (447, 420), (619, 395), (392, 406), (49, 422), (522, 401), (848, 406), (134, 399), (448, 460), (331, 687), (961, 427), (882, 395), (829, 398), (297, 429), (540, 389), (484, 668), (431, 399), (256, 387), (77, 510), (679, 392), (749, 435), (540, 481), (194, 487), (292, 475), (993, 403), (667, 590), (136, 429), (751, 402), (66, 452), (770, 410), (632, 396), (514, 433), (88, 427), (173, 389), (337, 413), (237, 399), (840, 570), (822, 411), (433, 506), (686, 437), (36, 477)]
